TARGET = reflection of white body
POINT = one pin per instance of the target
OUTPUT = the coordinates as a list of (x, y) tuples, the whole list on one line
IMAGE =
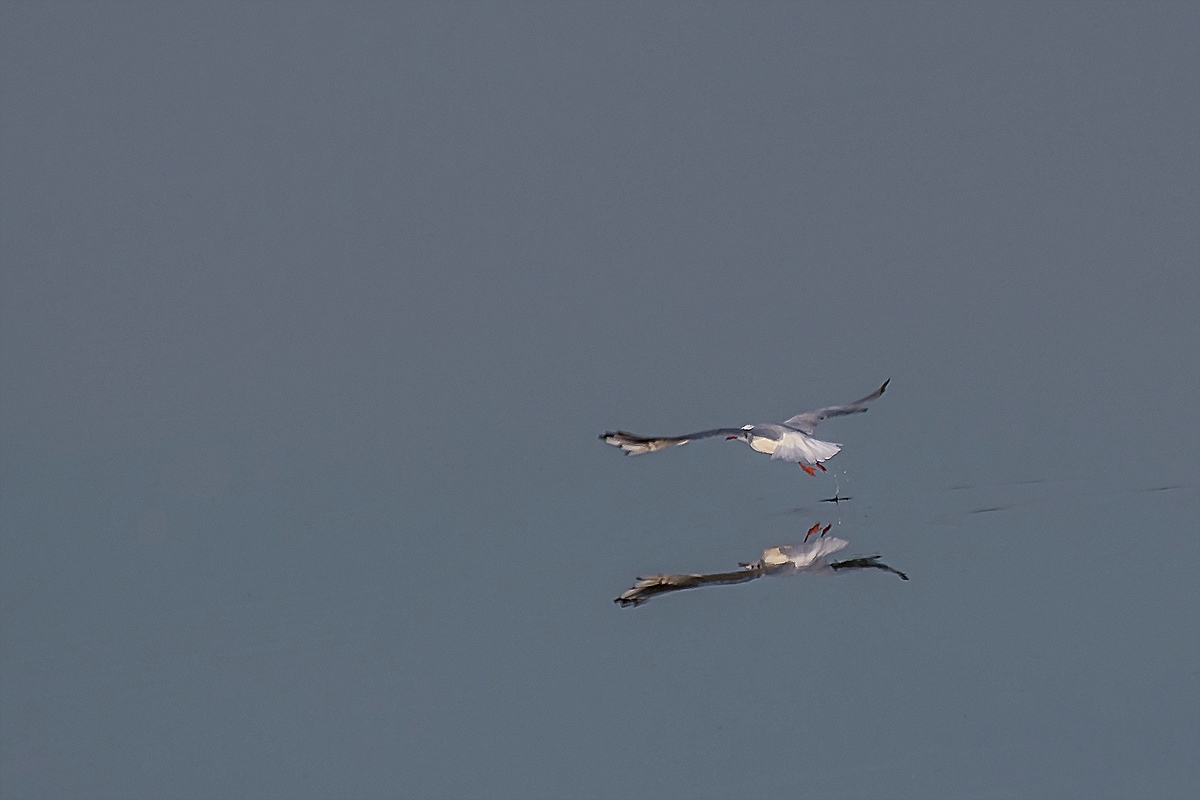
[(788, 441), (787, 559), (800, 557)]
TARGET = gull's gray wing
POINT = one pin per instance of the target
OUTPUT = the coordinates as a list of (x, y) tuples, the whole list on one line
[(645, 588), (867, 562), (808, 420), (634, 445)]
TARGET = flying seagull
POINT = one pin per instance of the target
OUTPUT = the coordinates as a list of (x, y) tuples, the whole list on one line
[(789, 441), (787, 559)]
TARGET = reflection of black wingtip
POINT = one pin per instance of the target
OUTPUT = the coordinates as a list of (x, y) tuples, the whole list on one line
[(866, 562), (836, 499)]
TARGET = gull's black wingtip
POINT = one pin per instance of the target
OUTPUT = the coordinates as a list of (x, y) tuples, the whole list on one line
[(885, 383)]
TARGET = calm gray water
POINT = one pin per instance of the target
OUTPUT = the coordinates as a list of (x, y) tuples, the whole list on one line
[(311, 316)]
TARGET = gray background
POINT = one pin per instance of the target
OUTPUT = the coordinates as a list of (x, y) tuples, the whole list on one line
[(312, 315)]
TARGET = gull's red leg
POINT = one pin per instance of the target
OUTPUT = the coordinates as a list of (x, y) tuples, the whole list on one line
[(809, 469), (812, 530), (821, 467), (827, 527)]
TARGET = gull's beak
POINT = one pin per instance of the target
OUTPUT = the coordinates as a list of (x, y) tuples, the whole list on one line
[(727, 438)]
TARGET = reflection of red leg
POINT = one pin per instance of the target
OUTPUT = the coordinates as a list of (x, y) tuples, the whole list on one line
[(821, 467), (812, 530), (809, 469)]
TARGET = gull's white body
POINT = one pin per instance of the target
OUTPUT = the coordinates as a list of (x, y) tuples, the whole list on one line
[(787, 444)]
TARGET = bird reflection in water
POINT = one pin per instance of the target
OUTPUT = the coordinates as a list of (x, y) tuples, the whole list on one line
[(809, 556)]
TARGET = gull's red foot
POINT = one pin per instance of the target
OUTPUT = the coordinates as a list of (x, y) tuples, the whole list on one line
[(810, 470), (821, 467), (827, 527), (812, 530)]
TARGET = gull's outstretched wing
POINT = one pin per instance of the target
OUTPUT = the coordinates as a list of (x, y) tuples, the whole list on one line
[(645, 588), (808, 420), (634, 445), (868, 562)]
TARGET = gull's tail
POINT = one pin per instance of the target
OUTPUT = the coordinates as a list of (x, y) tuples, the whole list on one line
[(805, 450)]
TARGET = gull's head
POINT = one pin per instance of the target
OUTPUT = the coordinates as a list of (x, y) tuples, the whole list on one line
[(744, 435)]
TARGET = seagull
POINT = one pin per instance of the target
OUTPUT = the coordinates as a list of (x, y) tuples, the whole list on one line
[(789, 441), (787, 559)]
